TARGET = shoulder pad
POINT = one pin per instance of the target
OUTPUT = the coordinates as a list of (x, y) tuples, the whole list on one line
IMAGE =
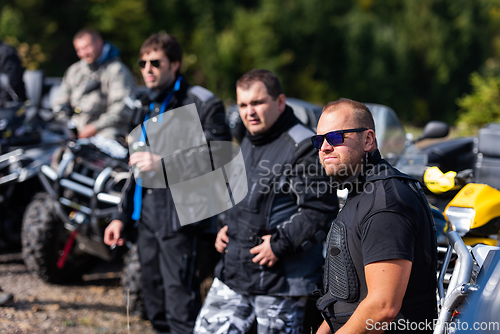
[(299, 133), (202, 93)]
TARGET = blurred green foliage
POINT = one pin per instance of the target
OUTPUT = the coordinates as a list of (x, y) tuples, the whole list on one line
[(413, 55), (480, 107), (482, 104)]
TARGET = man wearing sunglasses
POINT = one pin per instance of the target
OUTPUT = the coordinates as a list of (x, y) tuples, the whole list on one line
[(95, 87), (380, 269), (168, 252), (271, 241)]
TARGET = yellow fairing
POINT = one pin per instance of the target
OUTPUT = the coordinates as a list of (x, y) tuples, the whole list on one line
[(470, 241), (484, 199)]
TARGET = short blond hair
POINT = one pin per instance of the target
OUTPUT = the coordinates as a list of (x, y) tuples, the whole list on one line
[(362, 114)]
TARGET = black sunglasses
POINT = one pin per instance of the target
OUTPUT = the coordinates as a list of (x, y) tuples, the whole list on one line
[(333, 138), (154, 62)]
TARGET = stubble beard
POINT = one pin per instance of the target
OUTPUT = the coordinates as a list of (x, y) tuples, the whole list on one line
[(343, 171)]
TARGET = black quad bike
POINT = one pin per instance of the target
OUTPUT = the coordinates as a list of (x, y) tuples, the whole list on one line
[(63, 227)]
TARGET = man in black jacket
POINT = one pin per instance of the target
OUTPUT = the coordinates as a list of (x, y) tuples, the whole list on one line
[(167, 250), (380, 269), (272, 240), (10, 64)]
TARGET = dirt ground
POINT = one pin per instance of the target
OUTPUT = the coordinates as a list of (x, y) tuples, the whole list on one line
[(94, 305)]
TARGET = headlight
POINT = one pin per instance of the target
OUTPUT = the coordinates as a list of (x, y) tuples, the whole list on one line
[(460, 218)]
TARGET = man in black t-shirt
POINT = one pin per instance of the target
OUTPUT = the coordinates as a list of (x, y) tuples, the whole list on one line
[(381, 249)]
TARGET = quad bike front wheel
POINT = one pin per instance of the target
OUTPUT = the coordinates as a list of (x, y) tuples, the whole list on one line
[(43, 240)]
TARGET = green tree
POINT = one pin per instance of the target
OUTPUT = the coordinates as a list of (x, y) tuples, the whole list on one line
[(413, 55), (480, 107)]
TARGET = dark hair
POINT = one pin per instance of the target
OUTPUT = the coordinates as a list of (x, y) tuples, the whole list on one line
[(165, 42), (268, 78), (362, 113), (88, 31)]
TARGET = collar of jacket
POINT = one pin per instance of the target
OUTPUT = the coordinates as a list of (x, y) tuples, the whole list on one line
[(286, 120), (374, 169), (355, 182), (158, 96), (109, 52)]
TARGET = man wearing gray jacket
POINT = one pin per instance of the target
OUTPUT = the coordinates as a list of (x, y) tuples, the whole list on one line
[(95, 88)]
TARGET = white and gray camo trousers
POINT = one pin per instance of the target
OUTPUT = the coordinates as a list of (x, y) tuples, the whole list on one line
[(228, 312)]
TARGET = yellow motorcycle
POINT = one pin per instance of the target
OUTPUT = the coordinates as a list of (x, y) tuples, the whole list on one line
[(474, 212), (474, 216)]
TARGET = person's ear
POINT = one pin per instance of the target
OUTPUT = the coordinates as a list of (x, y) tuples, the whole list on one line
[(281, 102), (175, 65), (370, 140), (99, 43)]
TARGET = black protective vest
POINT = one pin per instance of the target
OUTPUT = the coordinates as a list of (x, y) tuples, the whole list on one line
[(343, 289)]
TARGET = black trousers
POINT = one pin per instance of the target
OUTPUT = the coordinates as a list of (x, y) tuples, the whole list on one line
[(170, 284)]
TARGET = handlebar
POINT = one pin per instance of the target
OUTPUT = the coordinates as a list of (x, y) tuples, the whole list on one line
[(459, 285), (438, 183)]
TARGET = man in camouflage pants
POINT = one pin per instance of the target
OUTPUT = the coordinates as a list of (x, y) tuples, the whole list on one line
[(226, 311), (271, 242), (95, 88)]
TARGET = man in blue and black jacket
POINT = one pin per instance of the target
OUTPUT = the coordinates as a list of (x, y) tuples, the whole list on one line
[(167, 249)]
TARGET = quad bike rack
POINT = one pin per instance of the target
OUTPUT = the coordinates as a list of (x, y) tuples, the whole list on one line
[(56, 182)]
